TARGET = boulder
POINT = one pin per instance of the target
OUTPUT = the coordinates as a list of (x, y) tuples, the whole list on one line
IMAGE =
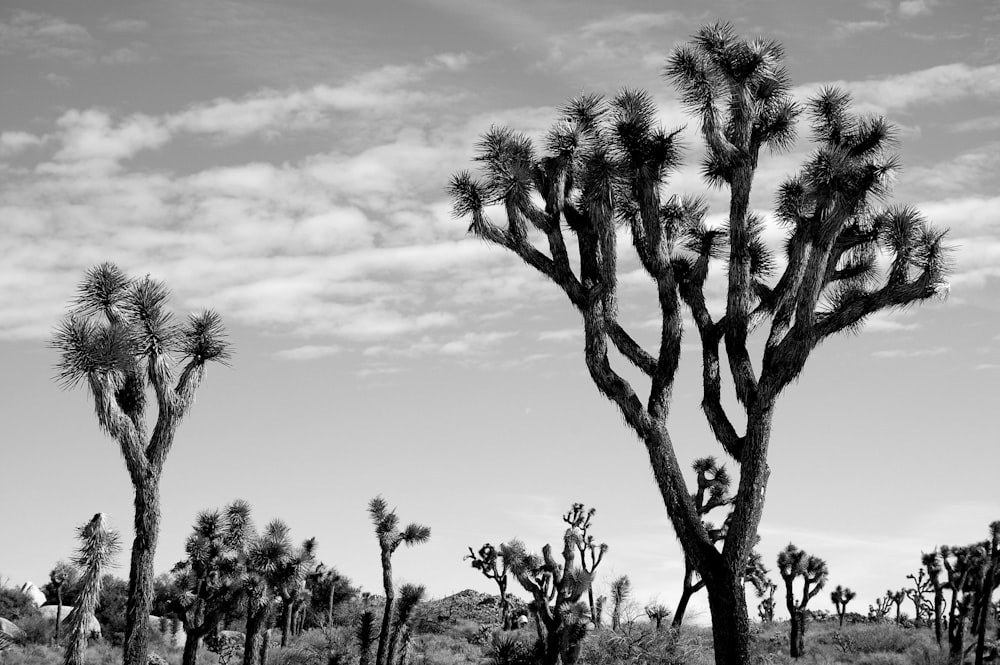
[(33, 592), (11, 629), (49, 612)]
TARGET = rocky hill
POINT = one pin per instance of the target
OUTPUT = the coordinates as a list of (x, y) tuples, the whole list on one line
[(463, 607)]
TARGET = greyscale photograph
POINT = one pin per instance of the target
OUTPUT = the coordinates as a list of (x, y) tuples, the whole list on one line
[(484, 332)]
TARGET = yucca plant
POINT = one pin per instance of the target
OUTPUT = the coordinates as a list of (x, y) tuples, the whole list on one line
[(209, 582), (604, 166), (119, 340), (657, 612), (365, 635), (290, 584), (99, 545), (555, 588), (389, 539), (621, 590), (794, 563), (591, 552), (410, 596), (493, 566), (840, 597), (268, 555)]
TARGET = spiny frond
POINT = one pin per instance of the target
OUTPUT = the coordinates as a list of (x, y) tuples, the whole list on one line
[(829, 114), (470, 196), (778, 127), (87, 348), (145, 303), (585, 111), (872, 135), (204, 338), (385, 521), (688, 71), (102, 291)]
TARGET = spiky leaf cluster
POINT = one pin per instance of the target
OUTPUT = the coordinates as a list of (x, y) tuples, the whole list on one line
[(387, 530), (794, 563)]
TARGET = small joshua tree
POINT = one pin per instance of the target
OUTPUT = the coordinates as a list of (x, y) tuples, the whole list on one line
[(409, 597), (657, 613), (118, 340), (932, 564), (98, 547), (765, 610), (63, 574), (556, 590), (621, 589), (880, 610), (897, 598), (792, 563), (290, 584), (840, 597), (591, 553), (917, 594), (494, 567), (389, 539)]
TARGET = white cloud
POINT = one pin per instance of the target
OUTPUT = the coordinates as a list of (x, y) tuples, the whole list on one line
[(911, 8), (130, 25), (902, 353), (309, 352), (42, 36), (14, 142)]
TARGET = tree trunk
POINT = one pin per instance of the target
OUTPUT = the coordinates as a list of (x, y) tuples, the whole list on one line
[(140, 584), (252, 644), (590, 601), (383, 633), (192, 642), (796, 646), (682, 604), (938, 606), (985, 596), (552, 646), (730, 624), (265, 644), (58, 611), (329, 603), (286, 620)]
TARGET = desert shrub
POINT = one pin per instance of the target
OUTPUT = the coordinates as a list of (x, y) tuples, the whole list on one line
[(111, 610), (443, 649), (640, 645), (511, 648), (16, 606), (38, 629), (882, 638), (883, 659), (320, 646)]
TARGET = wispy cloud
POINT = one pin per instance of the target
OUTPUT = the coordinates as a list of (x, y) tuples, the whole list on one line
[(914, 353), (44, 36)]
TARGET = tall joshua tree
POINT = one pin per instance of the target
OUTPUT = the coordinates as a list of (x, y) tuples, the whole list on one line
[(98, 547), (209, 582), (793, 563), (961, 565), (290, 583), (932, 564), (840, 597), (917, 595), (494, 566), (269, 554), (591, 553), (605, 165), (63, 574), (389, 539), (120, 339), (990, 578)]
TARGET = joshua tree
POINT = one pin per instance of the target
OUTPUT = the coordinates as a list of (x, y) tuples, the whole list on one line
[(880, 610), (269, 557), (605, 166), (389, 539), (932, 563), (365, 634), (119, 339), (917, 595), (961, 565), (290, 583), (598, 616), (840, 597), (409, 596), (765, 610), (328, 588), (897, 598), (62, 574), (486, 561), (792, 563), (591, 552), (209, 582), (990, 578), (621, 589), (657, 613), (556, 590), (98, 547)]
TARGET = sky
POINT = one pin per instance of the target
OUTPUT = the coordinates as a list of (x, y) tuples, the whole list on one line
[(286, 164)]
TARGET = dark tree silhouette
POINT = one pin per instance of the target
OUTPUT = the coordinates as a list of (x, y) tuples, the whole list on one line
[(792, 563), (961, 565), (118, 340), (63, 574), (657, 613), (917, 595), (990, 578), (932, 564), (605, 165), (494, 567), (409, 597), (897, 598), (765, 610), (621, 590), (840, 597), (365, 635), (389, 539)]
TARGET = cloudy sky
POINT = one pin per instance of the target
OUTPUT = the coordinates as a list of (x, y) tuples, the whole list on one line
[(285, 163)]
